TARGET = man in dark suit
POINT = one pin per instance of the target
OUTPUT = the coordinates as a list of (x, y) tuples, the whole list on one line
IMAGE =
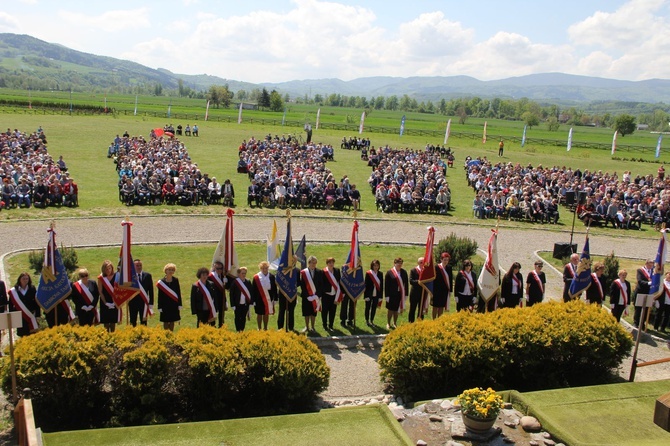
[(254, 194), (332, 293), (137, 304), (444, 278), (620, 295), (311, 286), (396, 284), (569, 272), (416, 291), (643, 277)]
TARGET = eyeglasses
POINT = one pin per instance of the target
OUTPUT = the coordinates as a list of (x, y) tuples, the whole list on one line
[(219, 269), (540, 266), (83, 275)]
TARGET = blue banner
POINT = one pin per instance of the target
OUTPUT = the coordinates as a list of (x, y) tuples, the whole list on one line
[(656, 287), (287, 273), (353, 278), (582, 279), (54, 286), (300, 253)]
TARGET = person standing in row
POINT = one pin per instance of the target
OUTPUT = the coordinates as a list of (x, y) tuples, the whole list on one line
[(60, 314), (85, 298), (569, 273), (202, 299), (110, 315), (536, 284), (620, 295), (240, 297), (511, 289), (264, 294), (22, 298), (415, 292), (169, 297), (442, 285), (595, 293), (643, 277), (396, 283), (218, 278), (663, 311), (373, 295), (311, 284), (465, 289), (332, 294), (137, 307)]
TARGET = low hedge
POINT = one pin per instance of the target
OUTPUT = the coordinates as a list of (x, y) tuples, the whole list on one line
[(85, 377), (541, 347)]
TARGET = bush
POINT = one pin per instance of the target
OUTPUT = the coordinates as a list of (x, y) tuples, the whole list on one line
[(524, 349), (460, 248), (611, 273), (69, 256), (84, 377)]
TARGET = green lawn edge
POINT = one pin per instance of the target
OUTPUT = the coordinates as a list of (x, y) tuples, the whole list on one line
[(370, 425)]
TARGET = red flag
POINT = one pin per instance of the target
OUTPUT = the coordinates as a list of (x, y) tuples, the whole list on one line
[(427, 274), (230, 262), (124, 288)]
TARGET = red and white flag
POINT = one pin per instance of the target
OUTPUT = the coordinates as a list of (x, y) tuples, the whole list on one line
[(489, 279), (225, 249)]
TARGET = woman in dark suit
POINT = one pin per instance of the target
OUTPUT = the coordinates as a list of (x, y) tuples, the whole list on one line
[(620, 294), (442, 285), (374, 291), (596, 292), (169, 297), (465, 288), (109, 314), (22, 298), (396, 287), (202, 299), (511, 290), (264, 294), (240, 297), (85, 296)]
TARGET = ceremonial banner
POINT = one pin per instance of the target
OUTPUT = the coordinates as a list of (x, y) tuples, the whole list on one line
[(658, 145), (225, 249), (402, 125), (657, 288), (616, 132), (54, 285), (207, 111), (273, 248), (135, 113), (360, 128), (287, 273), (582, 278), (169, 112), (523, 137), (300, 253), (105, 104), (126, 285), (446, 134), (484, 135), (283, 118), (427, 274), (353, 277), (239, 114), (570, 139), (488, 281), (318, 116)]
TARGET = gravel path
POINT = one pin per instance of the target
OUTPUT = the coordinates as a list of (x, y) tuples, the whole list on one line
[(354, 369)]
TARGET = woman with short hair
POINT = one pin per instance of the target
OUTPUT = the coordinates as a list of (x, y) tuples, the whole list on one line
[(169, 297)]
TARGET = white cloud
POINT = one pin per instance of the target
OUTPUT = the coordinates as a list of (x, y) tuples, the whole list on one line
[(9, 23), (110, 21)]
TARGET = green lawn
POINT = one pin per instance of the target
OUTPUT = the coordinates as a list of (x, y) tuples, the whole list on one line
[(368, 425)]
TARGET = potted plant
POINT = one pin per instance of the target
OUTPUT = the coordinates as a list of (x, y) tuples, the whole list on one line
[(480, 408)]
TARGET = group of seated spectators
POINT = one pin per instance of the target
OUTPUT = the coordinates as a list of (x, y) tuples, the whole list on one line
[(160, 170), (532, 193), (285, 173), (30, 176), (407, 180)]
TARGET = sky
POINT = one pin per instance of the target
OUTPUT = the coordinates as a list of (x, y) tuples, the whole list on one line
[(282, 40)]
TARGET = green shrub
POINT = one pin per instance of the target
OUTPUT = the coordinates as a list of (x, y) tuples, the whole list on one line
[(611, 273), (69, 256), (460, 248), (541, 347)]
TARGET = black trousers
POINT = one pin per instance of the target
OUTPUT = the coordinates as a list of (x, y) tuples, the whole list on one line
[(286, 307), (371, 308), (414, 308), (347, 309), (328, 310), (135, 310), (464, 302), (241, 311)]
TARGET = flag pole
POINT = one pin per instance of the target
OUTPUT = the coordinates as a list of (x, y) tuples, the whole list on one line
[(354, 302), (286, 311)]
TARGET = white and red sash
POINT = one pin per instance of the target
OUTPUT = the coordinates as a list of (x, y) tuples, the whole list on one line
[(445, 277), (85, 293), (207, 296), (623, 292), (68, 309), (536, 276), (572, 270), (666, 295), (107, 285), (265, 295), (218, 282), (169, 292), (646, 274), (145, 298), (335, 284), (468, 279), (401, 287), (375, 280), (309, 283), (594, 279), (316, 302), (244, 291), (26, 314), (519, 285)]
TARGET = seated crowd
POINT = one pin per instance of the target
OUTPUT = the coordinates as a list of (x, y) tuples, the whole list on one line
[(406, 180), (30, 176), (160, 170), (534, 193), (285, 173)]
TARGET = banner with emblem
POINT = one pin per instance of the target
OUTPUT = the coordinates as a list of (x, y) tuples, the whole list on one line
[(353, 277), (225, 249), (656, 288), (273, 248), (126, 285), (54, 284), (287, 273), (427, 274), (582, 278), (488, 281)]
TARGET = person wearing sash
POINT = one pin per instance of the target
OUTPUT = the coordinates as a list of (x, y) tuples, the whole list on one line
[(3, 297), (85, 298), (415, 292), (240, 297), (142, 304), (22, 298), (396, 284), (569, 273), (202, 299), (218, 278), (663, 309), (643, 277), (444, 277), (109, 314), (311, 285), (536, 284), (169, 297), (595, 293), (332, 295), (61, 314), (511, 289), (620, 295), (373, 295), (465, 289), (263, 294)]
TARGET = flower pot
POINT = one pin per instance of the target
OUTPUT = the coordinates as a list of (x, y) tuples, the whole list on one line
[(478, 425)]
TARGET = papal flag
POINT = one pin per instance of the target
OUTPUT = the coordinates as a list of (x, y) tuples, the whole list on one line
[(570, 139), (427, 274), (582, 278), (488, 281), (239, 114), (318, 117), (523, 136), (657, 288), (225, 249), (402, 125), (658, 145), (353, 276), (360, 128), (616, 132), (126, 285), (273, 248), (54, 286), (448, 131), (484, 135), (287, 273)]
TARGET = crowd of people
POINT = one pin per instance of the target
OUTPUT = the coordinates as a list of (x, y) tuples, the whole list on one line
[(406, 180), (535, 194), (160, 170), (29, 174), (287, 174)]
